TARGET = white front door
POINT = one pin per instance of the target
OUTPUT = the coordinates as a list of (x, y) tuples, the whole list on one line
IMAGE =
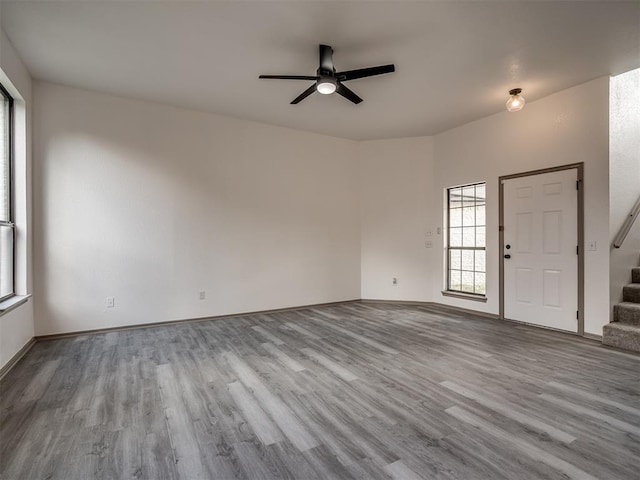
[(540, 249)]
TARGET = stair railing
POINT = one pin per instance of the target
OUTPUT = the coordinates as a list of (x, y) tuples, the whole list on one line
[(626, 226)]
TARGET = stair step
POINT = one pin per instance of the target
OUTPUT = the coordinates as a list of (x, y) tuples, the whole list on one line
[(622, 336), (635, 275), (631, 293), (627, 313)]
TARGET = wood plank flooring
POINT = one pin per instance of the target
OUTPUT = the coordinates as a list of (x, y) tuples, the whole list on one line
[(348, 391)]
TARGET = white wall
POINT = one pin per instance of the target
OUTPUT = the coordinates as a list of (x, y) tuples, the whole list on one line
[(568, 127), (396, 216), (17, 326), (152, 204), (624, 176)]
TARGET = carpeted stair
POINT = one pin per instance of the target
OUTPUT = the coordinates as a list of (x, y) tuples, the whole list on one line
[(624, 330)]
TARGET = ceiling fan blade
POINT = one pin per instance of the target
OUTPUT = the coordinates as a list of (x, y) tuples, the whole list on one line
[(326, 59), (348, 94), (304, 94), (365, 72), (290, 77)]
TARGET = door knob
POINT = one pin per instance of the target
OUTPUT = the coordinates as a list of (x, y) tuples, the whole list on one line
[(507, 256), (507, 246)]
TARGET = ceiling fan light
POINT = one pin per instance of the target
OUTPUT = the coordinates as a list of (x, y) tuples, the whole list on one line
[(326, 86), (516, 101)]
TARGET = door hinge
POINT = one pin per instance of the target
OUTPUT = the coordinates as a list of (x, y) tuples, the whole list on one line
[(577, 249), (577, 314), (577, 184)]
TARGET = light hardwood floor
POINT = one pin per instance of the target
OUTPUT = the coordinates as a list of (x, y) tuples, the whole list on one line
[(350, 391)]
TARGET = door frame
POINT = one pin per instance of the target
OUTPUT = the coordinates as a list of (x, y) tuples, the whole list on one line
[(580, 187)]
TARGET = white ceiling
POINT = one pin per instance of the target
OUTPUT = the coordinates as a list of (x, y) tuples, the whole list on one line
[(455, 61)]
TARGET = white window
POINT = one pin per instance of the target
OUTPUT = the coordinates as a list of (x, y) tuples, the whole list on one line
[(466, 239), (7, 227)]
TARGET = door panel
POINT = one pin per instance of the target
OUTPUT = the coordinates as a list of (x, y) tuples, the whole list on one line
[(552, 232), (524, 232), (540, 237), (523, 284)]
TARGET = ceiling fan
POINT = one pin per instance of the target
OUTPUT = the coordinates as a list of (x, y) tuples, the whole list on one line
[(328, 81)]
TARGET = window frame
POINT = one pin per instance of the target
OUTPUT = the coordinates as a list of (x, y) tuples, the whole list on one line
[(448, 290), (10, 187)]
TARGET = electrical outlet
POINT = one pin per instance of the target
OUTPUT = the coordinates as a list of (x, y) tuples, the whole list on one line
[(203, 295), (428, 234), (428, 244), (394, 281), (110, 302)]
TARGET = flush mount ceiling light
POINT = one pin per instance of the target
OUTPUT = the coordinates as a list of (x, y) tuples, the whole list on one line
[(326, 85), (516, 101)]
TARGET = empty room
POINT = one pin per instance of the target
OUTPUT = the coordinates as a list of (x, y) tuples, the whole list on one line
[(316, 240)]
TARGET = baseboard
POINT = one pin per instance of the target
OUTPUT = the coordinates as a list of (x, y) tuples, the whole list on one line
[(77, 333), (16, 358), (396, 302), (592, 336), (441, 306), (436, 305), (467, 311)]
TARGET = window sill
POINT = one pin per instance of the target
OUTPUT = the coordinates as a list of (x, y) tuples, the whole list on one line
[(12, 303), (465, 296)]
